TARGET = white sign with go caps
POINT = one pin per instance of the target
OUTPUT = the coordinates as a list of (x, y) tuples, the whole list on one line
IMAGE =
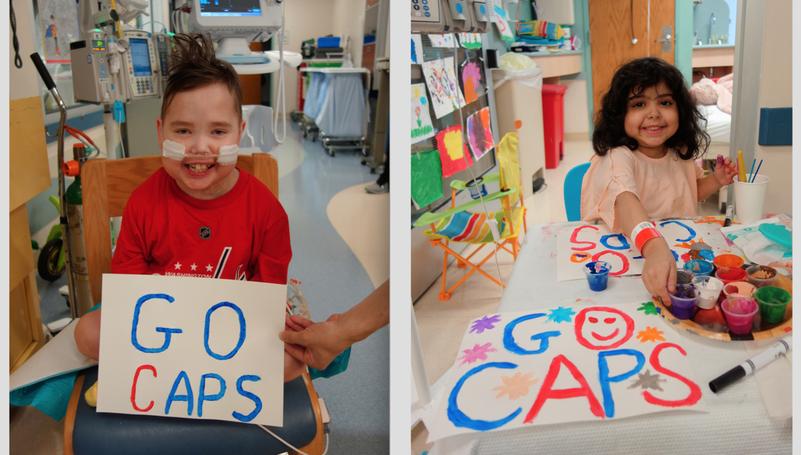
[(192, 347)]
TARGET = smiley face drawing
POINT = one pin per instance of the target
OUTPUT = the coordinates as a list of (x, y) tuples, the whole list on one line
[(599, 327)]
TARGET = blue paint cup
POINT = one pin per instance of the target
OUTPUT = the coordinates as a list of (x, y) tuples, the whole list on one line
[(597, 275), (683, 302), (699, 267)]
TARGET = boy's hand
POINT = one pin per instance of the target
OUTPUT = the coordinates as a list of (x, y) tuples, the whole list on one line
[(725, 170), (314, 343)]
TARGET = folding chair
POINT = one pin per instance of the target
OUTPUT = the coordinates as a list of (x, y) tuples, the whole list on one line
[(107, 184), (459, 224)]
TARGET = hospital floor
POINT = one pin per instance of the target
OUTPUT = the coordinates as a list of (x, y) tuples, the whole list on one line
[(441, 325), (340, 242)]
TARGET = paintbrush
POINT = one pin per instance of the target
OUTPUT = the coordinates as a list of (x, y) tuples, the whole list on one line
[(741, 166), (753, 176)]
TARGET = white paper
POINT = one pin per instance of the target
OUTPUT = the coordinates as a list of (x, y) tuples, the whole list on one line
[(60, 355), (580, 243), (756, 247), (247, 357), (445, 40), (443, 86), (417, 49), (569, 363), (422, 128)]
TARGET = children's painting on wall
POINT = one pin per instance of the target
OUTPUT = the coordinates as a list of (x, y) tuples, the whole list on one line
[(417, 49), (479, 133), (453, 151), (444, 40), (470, 40), (421, 119), (580, 244), (568, 363), (426, 178), (58, 27), (472, 80), (443, 86)]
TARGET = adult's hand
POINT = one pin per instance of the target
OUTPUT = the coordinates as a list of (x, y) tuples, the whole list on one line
[(315, 343)]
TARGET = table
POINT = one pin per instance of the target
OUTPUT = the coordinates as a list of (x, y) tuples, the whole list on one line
[(737, 421)]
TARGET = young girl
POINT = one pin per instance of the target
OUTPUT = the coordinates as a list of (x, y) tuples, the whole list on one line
[(647, 137)]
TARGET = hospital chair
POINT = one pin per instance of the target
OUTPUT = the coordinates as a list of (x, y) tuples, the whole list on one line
[(107, 185), (459, 224), (572, 191)]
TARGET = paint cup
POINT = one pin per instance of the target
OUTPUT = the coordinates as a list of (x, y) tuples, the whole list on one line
[(743, 288), (699, 267), (728, 261), (597, 275), (761, 275), (739, 312), (682, 302), (711, 319), (730, 274), (708, 289), (749, 198), (773, 303), (477, 188)]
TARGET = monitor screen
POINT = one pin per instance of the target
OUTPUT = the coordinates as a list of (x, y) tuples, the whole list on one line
[(140, 57), (210, 8)]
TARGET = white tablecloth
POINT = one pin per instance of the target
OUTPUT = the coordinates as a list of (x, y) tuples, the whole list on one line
[(737, 421)]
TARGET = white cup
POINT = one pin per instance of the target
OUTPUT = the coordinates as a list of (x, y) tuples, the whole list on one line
[(749, 198)]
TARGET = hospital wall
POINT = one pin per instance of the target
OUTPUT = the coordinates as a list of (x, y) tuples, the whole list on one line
[(775, 90)]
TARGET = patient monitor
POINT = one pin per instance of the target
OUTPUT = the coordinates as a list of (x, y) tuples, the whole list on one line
[(236, 23)]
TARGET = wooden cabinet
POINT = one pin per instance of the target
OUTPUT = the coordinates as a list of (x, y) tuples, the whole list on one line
[(30, 176)]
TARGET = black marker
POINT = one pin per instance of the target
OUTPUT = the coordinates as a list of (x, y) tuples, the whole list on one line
[(751, 365)]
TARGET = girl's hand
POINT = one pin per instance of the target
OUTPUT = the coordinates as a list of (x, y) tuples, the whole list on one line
[(725, 170), (659, 270)]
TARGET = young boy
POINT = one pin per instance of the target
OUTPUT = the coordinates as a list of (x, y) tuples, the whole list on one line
[(199, 215)]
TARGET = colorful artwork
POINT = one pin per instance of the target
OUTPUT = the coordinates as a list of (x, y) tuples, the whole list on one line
[(440, 78), (417, 49), (422, 128), (470, 40), (426, 178), (564, 364), (472, 80), (58, 25), (446, 40), (501, 20), (479, 133), (578, 244), (192, 348), (452, 151)]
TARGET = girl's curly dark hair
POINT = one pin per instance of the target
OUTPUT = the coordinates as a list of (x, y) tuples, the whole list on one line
[(691, 139), (193, 64)]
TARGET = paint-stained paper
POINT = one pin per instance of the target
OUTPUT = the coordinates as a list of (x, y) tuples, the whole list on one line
[(501, 20), (579, 244), (472, 80), (426, 178), (440, 78), (567, 363), (212, 345), (470, 40), (444, 40), (422, 128), (479, 133), (452, 151), (417, 49)]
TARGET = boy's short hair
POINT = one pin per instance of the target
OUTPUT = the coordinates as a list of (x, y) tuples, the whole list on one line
[(193, 64), (691, 139)]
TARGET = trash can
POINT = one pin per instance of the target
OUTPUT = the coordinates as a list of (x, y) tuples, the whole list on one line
[(553, 122)]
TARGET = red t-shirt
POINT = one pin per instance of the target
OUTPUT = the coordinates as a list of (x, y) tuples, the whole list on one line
[(243, 234)]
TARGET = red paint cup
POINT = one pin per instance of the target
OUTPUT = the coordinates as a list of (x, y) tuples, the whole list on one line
[(727, 275)]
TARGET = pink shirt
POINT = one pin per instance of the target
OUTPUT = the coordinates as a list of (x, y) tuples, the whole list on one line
[(667, 187)]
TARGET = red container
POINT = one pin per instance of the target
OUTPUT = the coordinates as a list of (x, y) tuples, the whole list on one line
[(553, 122)]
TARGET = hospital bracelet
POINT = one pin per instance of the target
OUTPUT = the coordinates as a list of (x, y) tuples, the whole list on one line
[(644, 232)]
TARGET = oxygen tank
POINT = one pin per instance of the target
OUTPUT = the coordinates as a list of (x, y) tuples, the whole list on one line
[(78, 266)]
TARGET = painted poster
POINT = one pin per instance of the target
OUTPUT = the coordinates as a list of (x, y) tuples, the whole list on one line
[(501, 20), (580, 243), (417, 49), (426, 178), (452, 151), (443, 86), (470, 40), (422, 128), (472, 80), (190, 347), (444, 40), (565, 364), (58, 27), (479, 133)]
